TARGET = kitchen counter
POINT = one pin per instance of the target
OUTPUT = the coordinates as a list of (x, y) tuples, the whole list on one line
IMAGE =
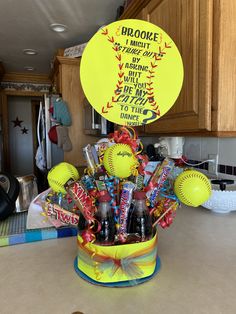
[(198, 274)]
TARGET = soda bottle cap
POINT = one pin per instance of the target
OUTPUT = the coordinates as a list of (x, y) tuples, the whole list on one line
[(104, 197), (139, 195)]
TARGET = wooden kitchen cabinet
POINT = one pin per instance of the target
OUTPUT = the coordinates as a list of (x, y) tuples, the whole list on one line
[(205, 32), (66, 79)]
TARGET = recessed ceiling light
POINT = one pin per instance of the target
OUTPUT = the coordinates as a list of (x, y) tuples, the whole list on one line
[(59, 28), (30, 52), (28, 68)]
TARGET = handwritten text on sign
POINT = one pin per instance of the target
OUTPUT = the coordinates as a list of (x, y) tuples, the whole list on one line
[(131, 72)]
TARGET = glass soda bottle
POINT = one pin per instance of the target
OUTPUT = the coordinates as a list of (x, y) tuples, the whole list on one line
[(140, 221), (105, 216), (82, 225)]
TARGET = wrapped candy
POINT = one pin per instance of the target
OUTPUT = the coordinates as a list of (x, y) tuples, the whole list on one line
[(125, 202), (60, 209), (149, 170), (82, 200), (158, 179), (112, 185), (63, 215)]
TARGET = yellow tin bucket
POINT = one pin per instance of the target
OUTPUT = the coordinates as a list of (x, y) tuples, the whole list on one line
[(118, 263)]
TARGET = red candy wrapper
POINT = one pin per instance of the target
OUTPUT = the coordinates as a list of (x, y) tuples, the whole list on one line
[(82, 200), (64, 216)]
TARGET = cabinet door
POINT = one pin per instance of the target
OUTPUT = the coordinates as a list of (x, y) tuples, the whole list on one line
[(140, 15), (189, 23), (57, 80)]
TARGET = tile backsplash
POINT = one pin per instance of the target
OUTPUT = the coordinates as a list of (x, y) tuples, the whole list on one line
[(197, 149)]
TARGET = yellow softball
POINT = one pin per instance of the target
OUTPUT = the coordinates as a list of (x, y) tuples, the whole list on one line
[(119, 160), (60, 174), (192, 188)]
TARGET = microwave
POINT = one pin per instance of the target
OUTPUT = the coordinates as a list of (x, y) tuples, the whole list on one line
[(94, 123)]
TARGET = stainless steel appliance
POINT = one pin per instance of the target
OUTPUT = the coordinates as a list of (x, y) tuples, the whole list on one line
[(48, 154), (170, 146), (94, 123), (28, 191)]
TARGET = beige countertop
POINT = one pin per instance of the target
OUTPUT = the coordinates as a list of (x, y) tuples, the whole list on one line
[(198, 274)]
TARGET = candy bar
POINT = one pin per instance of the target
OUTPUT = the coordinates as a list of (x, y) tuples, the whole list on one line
[(82, 200), (125, 201), (63, 215), (158, 179)]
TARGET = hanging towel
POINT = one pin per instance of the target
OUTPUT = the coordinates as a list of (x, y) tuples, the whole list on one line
[(40, 158), (52, 134), (63, 139), (61, 112)]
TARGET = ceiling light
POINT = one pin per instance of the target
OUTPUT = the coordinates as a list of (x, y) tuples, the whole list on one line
[(28, 68), (30, 52), (59, 28)]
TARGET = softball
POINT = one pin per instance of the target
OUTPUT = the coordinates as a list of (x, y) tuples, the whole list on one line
[(60, 174), (192, 188), (119, 160)]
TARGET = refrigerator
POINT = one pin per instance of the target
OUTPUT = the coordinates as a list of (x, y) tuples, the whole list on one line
[(48, 154)]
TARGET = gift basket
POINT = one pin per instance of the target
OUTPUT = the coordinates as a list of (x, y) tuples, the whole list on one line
[(117, 240), (122, 198), (118, 204)]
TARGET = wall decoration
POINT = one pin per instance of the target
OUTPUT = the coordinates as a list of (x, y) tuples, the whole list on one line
[(131, 72), (17, 122), (24, 130), (17, 86)]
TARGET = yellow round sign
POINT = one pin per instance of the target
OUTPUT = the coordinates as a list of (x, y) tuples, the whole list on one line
[(131, 72)]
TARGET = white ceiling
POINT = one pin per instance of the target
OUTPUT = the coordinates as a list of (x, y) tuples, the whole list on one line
[(24, 24)]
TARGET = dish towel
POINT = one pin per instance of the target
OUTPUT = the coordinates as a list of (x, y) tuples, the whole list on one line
[(63, 139), (61, 112)]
